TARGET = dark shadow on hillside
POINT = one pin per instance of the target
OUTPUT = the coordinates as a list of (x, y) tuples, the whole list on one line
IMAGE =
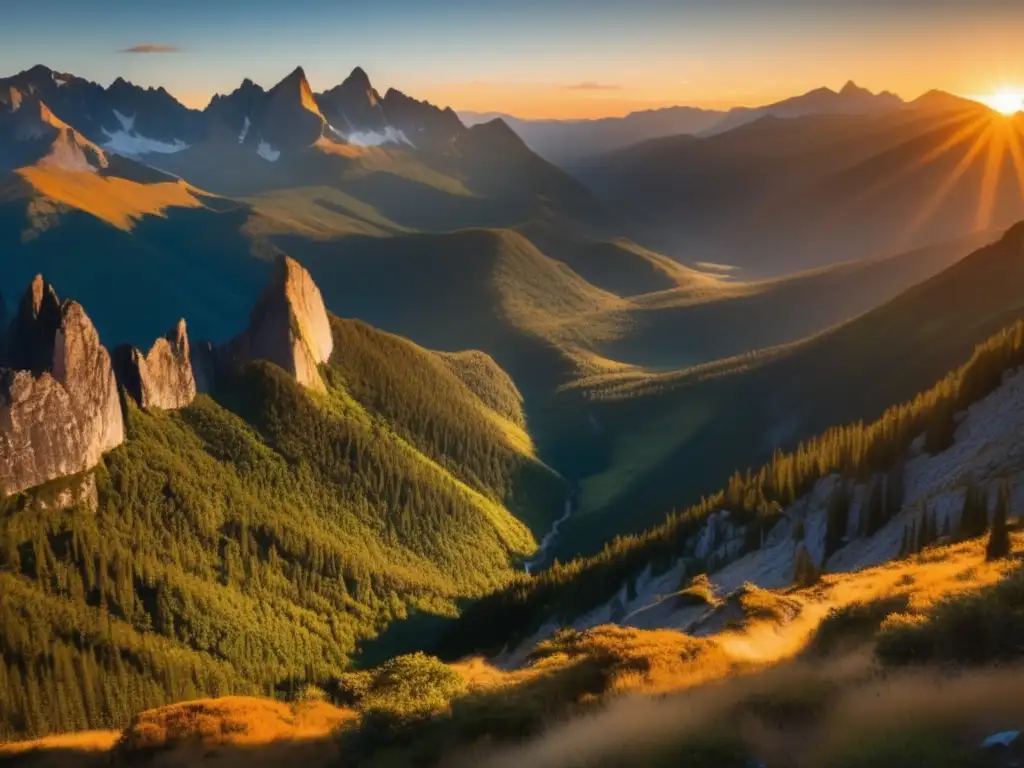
[(420, 631), (193, 263)]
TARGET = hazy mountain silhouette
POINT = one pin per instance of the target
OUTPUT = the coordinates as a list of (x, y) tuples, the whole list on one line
[(778, 195)]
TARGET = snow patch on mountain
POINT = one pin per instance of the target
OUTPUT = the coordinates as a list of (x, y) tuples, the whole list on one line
[(133, 145), (389, 135), (245, 130), (267, 152), (127, 123)]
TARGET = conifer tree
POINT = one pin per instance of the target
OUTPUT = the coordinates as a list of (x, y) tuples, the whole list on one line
[(894, 491), (805, 572), (838, 518), (925, 531), (974, 515), (999, 539), (873, 513)]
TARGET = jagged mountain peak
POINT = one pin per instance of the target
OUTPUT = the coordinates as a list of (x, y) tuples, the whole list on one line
[(288, 326), (296, 79), (852, 89), (296, 85), (358, 78)]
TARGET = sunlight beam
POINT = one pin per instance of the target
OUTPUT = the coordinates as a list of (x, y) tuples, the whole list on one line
[(989, 185), (932, 204)]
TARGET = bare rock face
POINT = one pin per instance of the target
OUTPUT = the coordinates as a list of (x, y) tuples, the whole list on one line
[(162, 378), (288, 327), (60, 421), (34, 329)]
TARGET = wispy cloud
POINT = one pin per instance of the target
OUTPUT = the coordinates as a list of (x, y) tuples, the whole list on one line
[(592, 86), (151, 48)]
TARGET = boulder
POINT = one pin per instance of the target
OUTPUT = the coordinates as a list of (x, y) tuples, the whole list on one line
[(60, 421), (163, 377), (288, 327)]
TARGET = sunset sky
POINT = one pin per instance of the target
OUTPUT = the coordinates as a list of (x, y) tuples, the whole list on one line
[(532, 58)]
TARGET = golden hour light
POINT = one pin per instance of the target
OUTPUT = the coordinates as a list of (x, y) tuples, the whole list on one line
[(548, 383), (1007, 102)]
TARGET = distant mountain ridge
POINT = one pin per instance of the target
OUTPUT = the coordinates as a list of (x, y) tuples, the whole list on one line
[(567, 142), (851, 99)]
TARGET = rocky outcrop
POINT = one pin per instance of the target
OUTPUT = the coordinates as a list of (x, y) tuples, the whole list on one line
[(58, 421), (163, 377), (288, 327), (34, 328)]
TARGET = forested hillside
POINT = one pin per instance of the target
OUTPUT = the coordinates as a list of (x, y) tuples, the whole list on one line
[(255, 538), (755, 498)]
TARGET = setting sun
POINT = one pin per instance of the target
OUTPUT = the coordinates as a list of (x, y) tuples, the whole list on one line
[(1006, 102)]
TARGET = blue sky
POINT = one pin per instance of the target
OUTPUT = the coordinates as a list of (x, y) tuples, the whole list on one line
[(528, 55)]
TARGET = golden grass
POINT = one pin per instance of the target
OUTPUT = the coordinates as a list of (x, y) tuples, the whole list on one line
[(117, 201), (612, 688), (85, 741), (234, 721)]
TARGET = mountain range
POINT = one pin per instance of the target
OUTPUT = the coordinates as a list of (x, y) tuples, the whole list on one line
[(569, 143), (777, 195), (301, 385)]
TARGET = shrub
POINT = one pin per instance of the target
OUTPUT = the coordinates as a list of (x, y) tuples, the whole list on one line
[(699, 592), (978, 628), (852, 624), (409, 688)]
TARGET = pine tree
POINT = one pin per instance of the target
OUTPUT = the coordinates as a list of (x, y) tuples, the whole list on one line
[(999, 540), (894, 491), (873, 513), (923, 530), (837, 519), (974, 515), (904, 543), (805, 572)]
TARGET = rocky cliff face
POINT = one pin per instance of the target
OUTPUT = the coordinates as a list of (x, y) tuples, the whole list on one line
[(34, 329), (58, 421), (163, 378), (288, 327)]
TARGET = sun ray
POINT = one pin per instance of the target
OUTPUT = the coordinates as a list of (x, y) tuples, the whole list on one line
[(1017, 155), (963, 134), (982, 122), (932, 204), (989, 186)]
